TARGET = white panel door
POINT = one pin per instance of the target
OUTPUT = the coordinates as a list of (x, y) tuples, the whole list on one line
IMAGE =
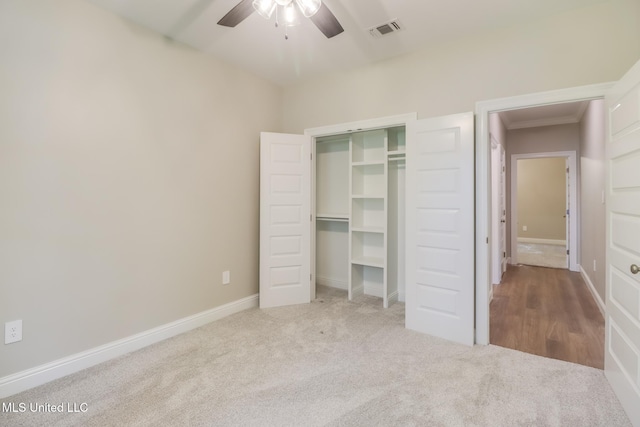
[(440, 227), (568, 212), (622, 328), (503, 209), (285, 223)]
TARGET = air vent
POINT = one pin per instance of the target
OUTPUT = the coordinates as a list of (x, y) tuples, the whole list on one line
[(385, 29)]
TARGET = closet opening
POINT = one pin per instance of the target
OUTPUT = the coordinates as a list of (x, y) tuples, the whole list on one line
[(358, 226)]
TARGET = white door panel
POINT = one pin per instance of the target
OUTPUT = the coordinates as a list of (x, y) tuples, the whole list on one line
[(622, 329), (503, 210), (285, 226), (440, 227), (499, 212)]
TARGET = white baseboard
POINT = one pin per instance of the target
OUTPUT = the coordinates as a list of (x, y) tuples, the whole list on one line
[(332, 283), (42, 374), (542, 241), (593, 291)]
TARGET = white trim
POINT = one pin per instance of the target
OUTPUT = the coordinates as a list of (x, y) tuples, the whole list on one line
[(593, 291), (574, 217), (542, 241), (42, 374), (483, 182)]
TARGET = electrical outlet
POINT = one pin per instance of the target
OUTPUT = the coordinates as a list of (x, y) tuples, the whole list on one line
[(13, 331), (594, 265), (226, 277), (524, 228)]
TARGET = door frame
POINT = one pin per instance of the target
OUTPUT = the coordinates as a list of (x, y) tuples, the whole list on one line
[(339, 129), (483, 181), (573, 217)]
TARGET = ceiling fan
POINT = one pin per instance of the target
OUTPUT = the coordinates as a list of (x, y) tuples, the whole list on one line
[(315, 10)]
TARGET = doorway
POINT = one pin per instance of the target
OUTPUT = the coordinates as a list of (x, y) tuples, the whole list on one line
[(544, 226), (534, 307), (542, 192), (483, 180)]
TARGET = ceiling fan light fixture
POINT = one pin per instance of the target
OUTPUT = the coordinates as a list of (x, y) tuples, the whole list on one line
[(290, 15), (264, 7), (283, 2), (309, 7)]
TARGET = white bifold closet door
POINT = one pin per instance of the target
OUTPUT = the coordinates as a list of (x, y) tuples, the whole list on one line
[(440, 227), (285, 223)]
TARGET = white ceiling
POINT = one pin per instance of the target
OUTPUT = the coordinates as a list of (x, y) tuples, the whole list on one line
[(256, 45), (546, 115)]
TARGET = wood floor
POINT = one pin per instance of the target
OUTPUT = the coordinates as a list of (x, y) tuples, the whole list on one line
[(549, 312)]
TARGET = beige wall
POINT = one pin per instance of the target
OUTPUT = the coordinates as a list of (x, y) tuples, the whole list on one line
[(128, 178), (542, 198), (594, 44), (592, 179)]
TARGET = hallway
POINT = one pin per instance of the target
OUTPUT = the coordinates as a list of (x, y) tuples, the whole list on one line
[(548, 312)]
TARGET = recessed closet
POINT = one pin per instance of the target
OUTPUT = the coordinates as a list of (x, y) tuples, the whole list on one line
[(359, 213)]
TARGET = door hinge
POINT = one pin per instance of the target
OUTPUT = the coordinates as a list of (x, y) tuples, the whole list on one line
[(503, 168), (311, 277), (311, 156), (487, 240), (504, 254), (567, 170), (567, 251), (567, 212), (311, 217)]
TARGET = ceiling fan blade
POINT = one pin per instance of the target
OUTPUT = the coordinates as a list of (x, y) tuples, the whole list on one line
[(326, 22), (238, 14)]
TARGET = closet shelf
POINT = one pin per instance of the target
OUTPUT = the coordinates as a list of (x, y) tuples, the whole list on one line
[(369, 261), (367, 196), (374, 163), (332, 217), (366, 229), (396, 153)]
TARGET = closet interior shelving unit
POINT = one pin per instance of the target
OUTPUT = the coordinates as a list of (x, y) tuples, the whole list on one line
[(359, 205)]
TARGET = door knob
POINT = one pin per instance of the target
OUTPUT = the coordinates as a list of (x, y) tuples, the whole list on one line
[(634, 269), (502, 220)]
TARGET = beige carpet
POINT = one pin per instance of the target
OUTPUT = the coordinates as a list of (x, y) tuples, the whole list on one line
[(330, 362)]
